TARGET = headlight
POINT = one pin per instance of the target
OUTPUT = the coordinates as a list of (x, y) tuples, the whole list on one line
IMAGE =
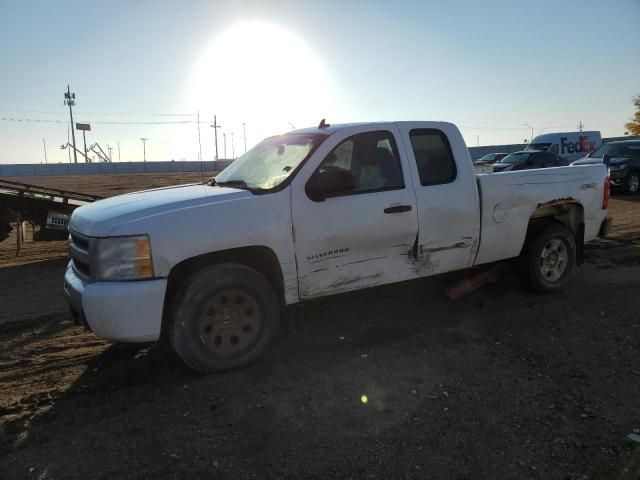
[(124, 258)]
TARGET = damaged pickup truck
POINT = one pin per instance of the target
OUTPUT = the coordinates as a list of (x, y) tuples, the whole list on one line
[(310, 213)]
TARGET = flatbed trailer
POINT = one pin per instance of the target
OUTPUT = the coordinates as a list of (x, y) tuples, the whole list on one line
[(48, 208)]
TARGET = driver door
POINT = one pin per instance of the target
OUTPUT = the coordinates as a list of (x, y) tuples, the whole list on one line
[(361, 237)]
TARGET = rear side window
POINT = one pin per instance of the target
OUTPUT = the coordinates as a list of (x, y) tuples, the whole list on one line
[(433, 156)]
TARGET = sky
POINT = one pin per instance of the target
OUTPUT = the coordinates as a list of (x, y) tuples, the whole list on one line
[(145, 69)]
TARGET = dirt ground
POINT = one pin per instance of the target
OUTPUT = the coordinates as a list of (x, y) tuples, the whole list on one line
[(501, 384)]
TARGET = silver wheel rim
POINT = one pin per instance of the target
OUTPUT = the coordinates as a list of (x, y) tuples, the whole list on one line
[(554, 260), (634, 183), (229, 322)]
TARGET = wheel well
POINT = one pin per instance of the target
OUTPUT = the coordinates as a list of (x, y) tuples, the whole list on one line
[(262, 259), (567, 212)]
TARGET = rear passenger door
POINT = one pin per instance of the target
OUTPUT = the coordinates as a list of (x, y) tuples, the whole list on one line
[(447, 197)]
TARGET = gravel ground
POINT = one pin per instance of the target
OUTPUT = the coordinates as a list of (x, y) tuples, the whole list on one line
[(501, 384)]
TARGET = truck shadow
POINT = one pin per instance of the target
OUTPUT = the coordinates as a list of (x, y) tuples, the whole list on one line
[(113, 381)]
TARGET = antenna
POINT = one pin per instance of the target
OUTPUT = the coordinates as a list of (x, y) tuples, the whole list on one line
[(323, 124)]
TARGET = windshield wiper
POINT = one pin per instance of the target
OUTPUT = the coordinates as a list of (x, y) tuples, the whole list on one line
[(234, 184)]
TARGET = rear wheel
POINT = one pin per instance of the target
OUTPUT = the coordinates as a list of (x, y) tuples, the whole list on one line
[(223, 317), (548, 258)]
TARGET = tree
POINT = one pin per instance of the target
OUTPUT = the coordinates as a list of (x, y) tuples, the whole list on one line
[(634, 125)]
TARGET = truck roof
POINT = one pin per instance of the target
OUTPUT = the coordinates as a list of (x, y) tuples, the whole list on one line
[(333, 128), (553, 135), (623, 141)]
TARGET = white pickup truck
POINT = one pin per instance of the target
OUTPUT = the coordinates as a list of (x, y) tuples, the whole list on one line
[(316, 212)]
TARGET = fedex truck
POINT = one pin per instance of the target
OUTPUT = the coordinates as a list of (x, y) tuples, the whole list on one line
[(568, 146)]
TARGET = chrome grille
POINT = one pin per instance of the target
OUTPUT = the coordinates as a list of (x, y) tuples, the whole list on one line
[(79, 251)]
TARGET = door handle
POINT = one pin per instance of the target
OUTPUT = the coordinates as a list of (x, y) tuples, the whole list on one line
[(398, 209)]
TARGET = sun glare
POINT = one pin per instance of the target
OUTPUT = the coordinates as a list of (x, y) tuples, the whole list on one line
[(262, 74)]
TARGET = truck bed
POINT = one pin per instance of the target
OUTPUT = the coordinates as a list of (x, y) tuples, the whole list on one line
[(508, 200)]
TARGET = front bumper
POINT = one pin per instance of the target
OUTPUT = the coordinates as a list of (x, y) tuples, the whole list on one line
[(117, 311)]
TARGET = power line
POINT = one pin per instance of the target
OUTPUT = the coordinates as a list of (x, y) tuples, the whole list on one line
[(40, 120), (102, 113)]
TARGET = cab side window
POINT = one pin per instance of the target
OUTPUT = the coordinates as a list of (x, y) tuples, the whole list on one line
[(433, 156), (372, 158)]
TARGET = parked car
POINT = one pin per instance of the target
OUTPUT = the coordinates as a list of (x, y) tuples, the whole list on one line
[(568, 146), (528, 159), (490, 158), (311, 213), (624, 162)]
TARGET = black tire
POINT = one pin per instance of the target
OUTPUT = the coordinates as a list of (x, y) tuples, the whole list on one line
[(633, 182), (223, 317), (545, 244)]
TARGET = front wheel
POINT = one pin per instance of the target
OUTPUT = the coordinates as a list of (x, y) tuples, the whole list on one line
[(548, 258), (223, 317)]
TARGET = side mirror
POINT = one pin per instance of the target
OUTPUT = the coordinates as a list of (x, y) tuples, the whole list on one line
[(330, 182)]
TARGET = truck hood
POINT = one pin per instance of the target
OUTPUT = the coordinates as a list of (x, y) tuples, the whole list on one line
[(97, 219)]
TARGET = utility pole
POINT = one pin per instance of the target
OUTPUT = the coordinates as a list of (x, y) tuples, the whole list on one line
[(224, 136), (244, 134), (580, 126), (118, 150), (70, 99), (215, 127), (144, 148), (109, 148), (44, 144), (527, 125), (233, 148)]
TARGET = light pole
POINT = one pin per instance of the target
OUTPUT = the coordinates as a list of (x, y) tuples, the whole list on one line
[(144, 148), (199, 142), (224, 136), (233, 148), (244, 134), (527, 125)]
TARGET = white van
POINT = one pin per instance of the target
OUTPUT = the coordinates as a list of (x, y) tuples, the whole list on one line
[(568, 146)]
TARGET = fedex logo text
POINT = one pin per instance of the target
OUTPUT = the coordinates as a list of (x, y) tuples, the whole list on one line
[(583, 145)]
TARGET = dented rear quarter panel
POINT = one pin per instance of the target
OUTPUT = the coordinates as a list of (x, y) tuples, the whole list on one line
[(509, 199)]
